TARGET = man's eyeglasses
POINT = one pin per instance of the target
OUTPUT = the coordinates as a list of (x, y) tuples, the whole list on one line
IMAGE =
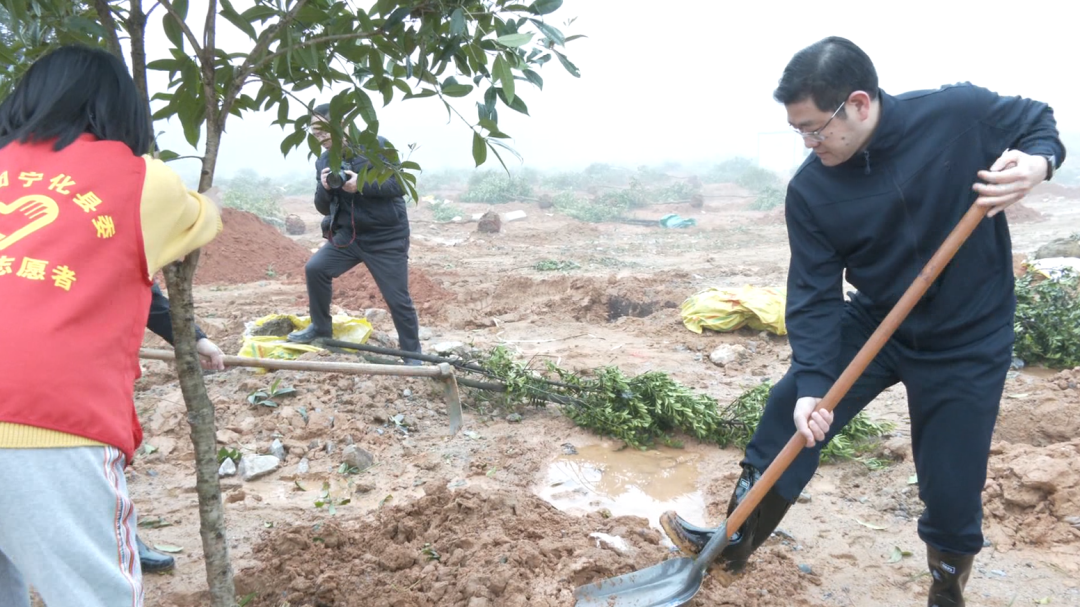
[(816, 135)]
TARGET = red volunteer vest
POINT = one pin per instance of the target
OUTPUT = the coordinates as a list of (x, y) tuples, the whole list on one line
[(74, 288)]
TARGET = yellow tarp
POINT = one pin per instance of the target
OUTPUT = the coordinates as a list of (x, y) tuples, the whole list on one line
[(760, 308), (345, 328)]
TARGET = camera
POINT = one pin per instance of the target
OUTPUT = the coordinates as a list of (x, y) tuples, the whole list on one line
[(335, 180)]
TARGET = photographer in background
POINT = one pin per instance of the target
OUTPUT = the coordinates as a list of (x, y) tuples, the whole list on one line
[(364, 223)]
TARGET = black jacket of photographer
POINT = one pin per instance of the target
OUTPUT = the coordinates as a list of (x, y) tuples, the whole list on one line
[(375, 214)]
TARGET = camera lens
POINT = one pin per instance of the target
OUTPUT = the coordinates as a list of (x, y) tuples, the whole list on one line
[(334, 180)]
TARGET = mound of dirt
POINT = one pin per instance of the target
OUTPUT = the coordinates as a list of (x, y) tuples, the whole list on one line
[(249, 250), (772, 217), (1048, 413), (1019, 213), (581, 298), (1033, 494), (470, 548), (1056, 189), (356, 289)]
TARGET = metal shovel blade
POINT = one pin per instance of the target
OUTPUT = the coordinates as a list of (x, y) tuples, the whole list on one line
[(669, 584)]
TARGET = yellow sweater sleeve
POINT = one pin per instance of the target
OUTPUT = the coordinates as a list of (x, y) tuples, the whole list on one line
[(175, 220)]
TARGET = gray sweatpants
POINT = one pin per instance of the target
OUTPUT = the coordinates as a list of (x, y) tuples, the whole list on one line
[(67, 527)]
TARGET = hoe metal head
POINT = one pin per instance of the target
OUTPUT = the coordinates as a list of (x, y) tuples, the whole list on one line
[(669, 584)]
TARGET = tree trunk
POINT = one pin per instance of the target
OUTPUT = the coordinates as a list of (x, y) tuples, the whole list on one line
[(178, 280), (136, 26), (219, 573), (209, 160), (109, 25)]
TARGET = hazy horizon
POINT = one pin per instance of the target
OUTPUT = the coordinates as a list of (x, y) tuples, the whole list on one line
[(690, 84)]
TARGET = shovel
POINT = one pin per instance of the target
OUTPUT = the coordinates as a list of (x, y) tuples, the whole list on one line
[(675, 581)]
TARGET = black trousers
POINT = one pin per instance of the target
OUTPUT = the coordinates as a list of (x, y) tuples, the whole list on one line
[(388, 263), (953, 401)]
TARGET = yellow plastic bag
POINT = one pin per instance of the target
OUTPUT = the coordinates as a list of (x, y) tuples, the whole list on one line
[(760, 308), (345, 328)]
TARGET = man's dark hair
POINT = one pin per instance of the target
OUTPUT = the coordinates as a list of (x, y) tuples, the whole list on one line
[(323, 109), (74, 90), (827, 71)]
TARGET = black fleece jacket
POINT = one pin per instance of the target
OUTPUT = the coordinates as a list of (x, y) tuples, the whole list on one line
[(374, 214), (159, 321), (880, 216)]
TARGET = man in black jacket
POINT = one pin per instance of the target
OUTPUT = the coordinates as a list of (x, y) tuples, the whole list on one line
[(211, 359), (364, 223), (890, 177)]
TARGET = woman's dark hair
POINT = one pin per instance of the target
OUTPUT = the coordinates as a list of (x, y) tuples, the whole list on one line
[(74, 90)]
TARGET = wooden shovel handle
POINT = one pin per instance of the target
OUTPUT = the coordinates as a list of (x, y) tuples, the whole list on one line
[(869, 350)]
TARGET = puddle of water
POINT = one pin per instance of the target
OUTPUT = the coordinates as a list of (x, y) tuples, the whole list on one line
[(1038, 372), (626, 482)]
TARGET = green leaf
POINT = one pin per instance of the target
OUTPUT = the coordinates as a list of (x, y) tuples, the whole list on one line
[(258, 12), (167, 155), (173, 31), (898, 555), (191, 113), (871, 526), (423, 93), (515, 40), (292, 141), (517, 104), (501, 72), (506, 147), (181, 7), (457, 90), (168, 548), (545, 7), (479, 149), (154, 523), (366, 107), (234, 17), (570, 67), (534, 78), (396, 17), (551, 33), (574, 37), (457, 22)]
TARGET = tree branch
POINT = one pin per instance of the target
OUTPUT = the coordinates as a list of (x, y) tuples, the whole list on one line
[(319, 40), (261, 46), (183, 26), (207, 60), (109, 24), (278, 85)]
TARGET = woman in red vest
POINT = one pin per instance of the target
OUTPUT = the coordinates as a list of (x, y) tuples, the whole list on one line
[(86, 218)]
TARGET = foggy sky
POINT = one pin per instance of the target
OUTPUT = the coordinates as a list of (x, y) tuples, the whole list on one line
[(689, 81)]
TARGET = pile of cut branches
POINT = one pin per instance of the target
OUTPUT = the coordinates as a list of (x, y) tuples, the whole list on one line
[(652, 407)]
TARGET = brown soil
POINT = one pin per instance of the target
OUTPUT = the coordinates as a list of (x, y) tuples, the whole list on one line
[(473, 496), (1021, 213), (249, 250), (475, 549), (356, 290), (1056, 189)]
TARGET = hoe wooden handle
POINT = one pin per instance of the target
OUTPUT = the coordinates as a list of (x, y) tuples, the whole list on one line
[(869, 350)]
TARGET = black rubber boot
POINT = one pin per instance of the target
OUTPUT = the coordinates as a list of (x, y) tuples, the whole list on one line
[(950, 573), (306, 335), (152, 561), (750, 536)]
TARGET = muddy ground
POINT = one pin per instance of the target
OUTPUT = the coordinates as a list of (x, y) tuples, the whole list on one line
[(520, 512)]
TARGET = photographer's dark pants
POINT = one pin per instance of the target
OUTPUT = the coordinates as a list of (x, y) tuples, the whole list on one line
[(953, 399), (388, 263)]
